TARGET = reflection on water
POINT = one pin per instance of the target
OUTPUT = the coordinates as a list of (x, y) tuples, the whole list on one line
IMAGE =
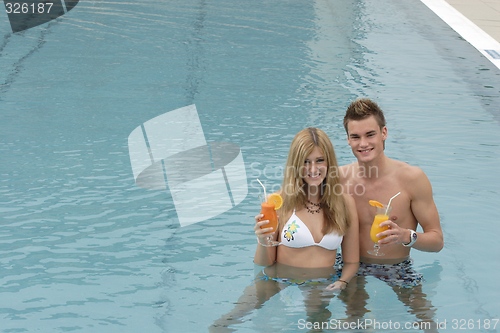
[(296, 304), (83, 249)]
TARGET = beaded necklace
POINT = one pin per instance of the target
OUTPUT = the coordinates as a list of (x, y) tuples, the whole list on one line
[(313, 208)]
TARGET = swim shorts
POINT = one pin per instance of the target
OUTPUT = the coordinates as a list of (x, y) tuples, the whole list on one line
[(396, 275)]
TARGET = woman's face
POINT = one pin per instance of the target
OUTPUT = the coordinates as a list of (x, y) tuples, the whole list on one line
[(315, 169)]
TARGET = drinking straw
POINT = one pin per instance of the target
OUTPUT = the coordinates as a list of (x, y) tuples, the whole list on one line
[(389, 204), (265, 195)]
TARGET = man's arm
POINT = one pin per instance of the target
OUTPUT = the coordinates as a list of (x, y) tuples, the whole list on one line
[(425, 211)]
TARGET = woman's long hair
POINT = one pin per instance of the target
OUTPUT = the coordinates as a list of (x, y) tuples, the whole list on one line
[(294, 189)]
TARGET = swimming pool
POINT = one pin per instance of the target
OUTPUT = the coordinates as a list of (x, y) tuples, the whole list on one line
[(85, 250)]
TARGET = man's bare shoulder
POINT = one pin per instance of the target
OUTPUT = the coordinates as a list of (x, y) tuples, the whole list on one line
[(407, 172), (346, 171)]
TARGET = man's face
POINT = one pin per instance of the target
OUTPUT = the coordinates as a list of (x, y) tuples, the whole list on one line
[(366, 138)]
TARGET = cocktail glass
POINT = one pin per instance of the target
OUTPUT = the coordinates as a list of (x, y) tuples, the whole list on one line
[(269, 212), (381, 215)]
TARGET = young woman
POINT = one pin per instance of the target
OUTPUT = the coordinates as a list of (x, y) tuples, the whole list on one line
[(316, 218)]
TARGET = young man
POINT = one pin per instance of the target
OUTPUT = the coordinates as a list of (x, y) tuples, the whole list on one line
[(377, 177)]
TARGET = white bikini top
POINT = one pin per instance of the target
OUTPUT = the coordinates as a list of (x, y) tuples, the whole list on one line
[(296, 234)]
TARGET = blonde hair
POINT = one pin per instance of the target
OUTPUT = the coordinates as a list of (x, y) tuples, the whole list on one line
[(295, 191)]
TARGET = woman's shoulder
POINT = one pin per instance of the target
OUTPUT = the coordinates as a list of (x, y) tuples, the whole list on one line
[(348, 199)]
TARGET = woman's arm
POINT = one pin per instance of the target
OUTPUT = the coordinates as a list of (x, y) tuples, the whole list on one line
[(350, 248), (264, 255)]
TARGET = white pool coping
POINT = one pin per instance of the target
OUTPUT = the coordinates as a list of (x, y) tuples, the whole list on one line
[(484, 43)]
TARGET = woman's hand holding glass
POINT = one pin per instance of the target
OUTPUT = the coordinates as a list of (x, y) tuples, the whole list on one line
[(267, 221), (265, 231)]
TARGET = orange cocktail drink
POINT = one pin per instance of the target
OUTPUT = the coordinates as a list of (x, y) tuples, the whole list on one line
[(381, 215), (269, 212), (376, 228)]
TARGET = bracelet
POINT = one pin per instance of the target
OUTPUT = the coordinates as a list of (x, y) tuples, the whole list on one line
[(346, 283)]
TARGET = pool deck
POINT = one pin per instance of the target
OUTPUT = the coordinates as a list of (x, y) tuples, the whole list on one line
[(477, 21), (483, 13)]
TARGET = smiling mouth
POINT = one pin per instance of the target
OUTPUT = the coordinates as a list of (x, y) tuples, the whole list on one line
[(314, 176), (364, 151)]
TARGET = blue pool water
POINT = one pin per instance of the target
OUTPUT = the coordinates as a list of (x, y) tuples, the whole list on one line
[(83, 249)]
